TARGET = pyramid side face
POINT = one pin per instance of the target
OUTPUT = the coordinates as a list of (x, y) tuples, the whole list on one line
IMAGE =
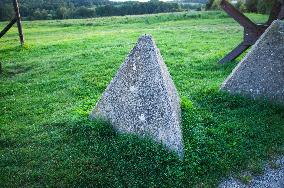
[(261, 73), (142, 98)]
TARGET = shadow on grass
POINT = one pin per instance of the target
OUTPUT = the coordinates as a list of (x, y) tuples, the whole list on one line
[(123, 160), (225, 133), (88, 153), (13, 69)]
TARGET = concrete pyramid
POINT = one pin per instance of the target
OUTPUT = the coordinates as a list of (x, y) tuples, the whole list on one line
[(261, 73), (142, 98)]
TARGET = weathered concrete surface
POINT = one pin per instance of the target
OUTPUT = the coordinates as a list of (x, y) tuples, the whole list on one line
[(142, 98), (261, 73)]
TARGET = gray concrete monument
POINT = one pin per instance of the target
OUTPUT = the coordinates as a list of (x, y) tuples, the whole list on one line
[(142, 98), (261, 73)]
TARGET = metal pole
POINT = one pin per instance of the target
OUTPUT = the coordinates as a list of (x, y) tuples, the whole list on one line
[(252, 31)]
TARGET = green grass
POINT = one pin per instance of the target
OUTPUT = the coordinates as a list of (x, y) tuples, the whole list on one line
[(49, 87)]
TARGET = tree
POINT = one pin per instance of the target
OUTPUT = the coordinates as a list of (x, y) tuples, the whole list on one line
[(84, 12), (62, 13), (209, 4), (251, 5), (6, 10)]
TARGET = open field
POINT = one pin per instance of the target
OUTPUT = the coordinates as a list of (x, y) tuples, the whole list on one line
[(49, 87)]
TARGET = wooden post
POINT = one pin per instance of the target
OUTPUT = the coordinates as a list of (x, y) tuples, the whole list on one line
[(4, 31), (16, 19), (19, 24)]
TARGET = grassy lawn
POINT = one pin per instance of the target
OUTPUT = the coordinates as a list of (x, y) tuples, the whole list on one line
[(49, 87)]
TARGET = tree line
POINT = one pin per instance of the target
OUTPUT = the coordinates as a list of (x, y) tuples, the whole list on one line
[(257, 6), (50, 9), (134, 8), (63, 9)]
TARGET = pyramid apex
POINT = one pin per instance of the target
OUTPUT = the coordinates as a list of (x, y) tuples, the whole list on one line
[(145, 37), (146, 40)]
